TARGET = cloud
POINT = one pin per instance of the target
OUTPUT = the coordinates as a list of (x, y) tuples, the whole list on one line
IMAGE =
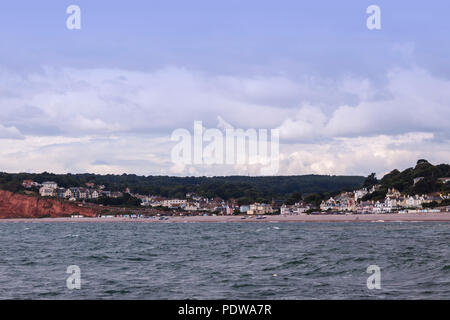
[(10, 133), (414, 101), (115, 121)]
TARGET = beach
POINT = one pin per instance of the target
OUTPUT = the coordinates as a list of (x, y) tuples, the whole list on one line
[(404, 217)]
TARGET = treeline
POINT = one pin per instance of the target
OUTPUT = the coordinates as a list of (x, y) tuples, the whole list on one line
[(243, 188)]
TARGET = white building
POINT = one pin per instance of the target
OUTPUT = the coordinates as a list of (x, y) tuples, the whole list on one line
[(260, 208), (414, 201), (173, 203), (192, 206), (46, 192), (296, 209), (50, 184), (360, 193)]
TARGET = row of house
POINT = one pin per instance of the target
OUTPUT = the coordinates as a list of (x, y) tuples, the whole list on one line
[(195, 203), (394, 200), (51, 189)]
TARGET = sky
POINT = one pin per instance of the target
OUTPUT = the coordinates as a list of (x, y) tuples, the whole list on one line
[(106, 98)]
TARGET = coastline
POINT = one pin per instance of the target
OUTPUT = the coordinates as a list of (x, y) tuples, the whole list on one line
[(407, 217)]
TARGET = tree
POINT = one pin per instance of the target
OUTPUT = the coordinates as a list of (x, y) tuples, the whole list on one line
[(370, 181), (294, 198)]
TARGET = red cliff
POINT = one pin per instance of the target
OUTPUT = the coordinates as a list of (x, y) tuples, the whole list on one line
[(21, 206)]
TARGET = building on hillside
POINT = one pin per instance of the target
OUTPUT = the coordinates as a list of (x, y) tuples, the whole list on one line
[(360, 193), (74, 194), (68, 193), (173, 203), (393, 193), (329, 204), (59, 193), (84, 193), (192, 206), (47, 192), (50, 184), (94, 194), (28, 183)]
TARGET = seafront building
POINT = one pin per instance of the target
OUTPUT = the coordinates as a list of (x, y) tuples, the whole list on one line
[(393, 201), (345, 202), (260, 208), (299, 208)]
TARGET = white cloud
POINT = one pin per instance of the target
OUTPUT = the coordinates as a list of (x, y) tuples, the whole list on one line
[(115, 121), (415, 101)]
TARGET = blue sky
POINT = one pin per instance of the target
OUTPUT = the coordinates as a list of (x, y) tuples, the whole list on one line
[(328, 37), (137, 70)]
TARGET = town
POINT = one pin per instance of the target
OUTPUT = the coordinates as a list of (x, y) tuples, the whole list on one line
[(348, 202)]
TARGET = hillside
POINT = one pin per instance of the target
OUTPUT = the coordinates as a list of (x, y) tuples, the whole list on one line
[(238, 187), (424, 178), (22, 206)]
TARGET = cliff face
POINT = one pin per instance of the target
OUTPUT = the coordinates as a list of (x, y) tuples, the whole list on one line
[(21, 206)]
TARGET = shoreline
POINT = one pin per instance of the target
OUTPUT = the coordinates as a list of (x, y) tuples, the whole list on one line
[(406, 217)]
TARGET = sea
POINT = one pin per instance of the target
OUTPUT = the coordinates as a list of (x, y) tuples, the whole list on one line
[(270, 261)]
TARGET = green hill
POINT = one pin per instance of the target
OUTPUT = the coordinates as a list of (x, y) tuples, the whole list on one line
[(238, 187), (427, 178)]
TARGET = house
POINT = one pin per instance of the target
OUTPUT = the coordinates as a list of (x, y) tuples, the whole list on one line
[(28, 183), (47, 192), (74, 194), (380, 207), (244, 209), (417, 179), (444, 180), (329, 204), (393, 203), (94, 194), (59, 193), (68, 193), (260, 208), (296, 209), (358, 194), (414, 201), (192, 206), (50, 184), (393, 193), (83, 193), (229, 210), (173, 203)]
